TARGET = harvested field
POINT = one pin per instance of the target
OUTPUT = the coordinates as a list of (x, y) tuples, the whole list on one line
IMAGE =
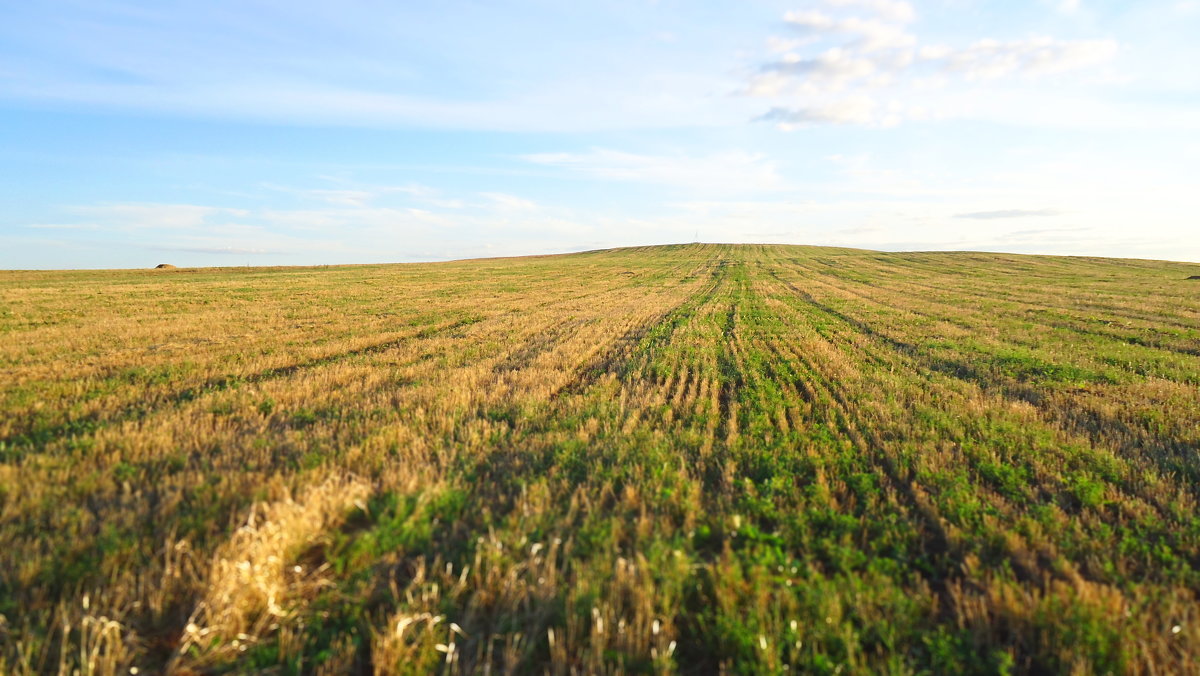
[(691, 459)]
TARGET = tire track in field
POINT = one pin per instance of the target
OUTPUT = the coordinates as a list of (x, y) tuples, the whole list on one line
[(1026, 569), (1072, 322), (731, 369), (929, 311), (918, 358), (1047, 481), (541, 342), (1033, 566), (131, 411), (138, 411), (935, 542), (1128, 444), (505, 462), (1006, 293), (367, 435), (638, 342), (30, 439), (1032, 297), (957, 369)]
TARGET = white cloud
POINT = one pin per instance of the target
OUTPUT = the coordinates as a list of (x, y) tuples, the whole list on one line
[(855, 110), (834, 70), (990, 59), (836, 66), (507, 202), (866, 34), (892, 10), (878, 60)]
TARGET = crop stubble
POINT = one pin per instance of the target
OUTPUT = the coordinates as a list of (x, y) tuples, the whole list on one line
[(689, 458)]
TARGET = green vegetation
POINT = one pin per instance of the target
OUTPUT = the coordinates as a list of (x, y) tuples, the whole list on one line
[(702, 458)]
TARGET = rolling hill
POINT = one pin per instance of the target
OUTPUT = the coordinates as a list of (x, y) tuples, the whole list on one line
[(692, 458)]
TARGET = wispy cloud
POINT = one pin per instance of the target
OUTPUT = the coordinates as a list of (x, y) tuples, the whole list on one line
[(734, 170), (892, 10), (1065, 6), (62, 226), (217, 250), (853, 110), (157, 216), (509, 202), (352, 229), (990, 59), (1009, 213), (352, 196), (867, 35)]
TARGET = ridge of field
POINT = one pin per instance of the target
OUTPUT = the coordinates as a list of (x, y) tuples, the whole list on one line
[(694, 458)]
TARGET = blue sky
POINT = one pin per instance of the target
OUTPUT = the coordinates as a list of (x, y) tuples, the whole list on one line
[(278, 133)]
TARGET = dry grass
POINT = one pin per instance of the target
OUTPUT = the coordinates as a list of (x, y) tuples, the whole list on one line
[(700, 458), (254, 583)]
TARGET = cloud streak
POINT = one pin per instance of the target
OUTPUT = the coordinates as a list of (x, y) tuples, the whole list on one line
[(728, 171), (867, 35), (225, 250), (857, 110), (990, 59), (891, 10), (156, 216), (1008, 213)]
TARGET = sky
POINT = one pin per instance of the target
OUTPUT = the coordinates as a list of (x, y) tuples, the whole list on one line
[(265, 132)]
